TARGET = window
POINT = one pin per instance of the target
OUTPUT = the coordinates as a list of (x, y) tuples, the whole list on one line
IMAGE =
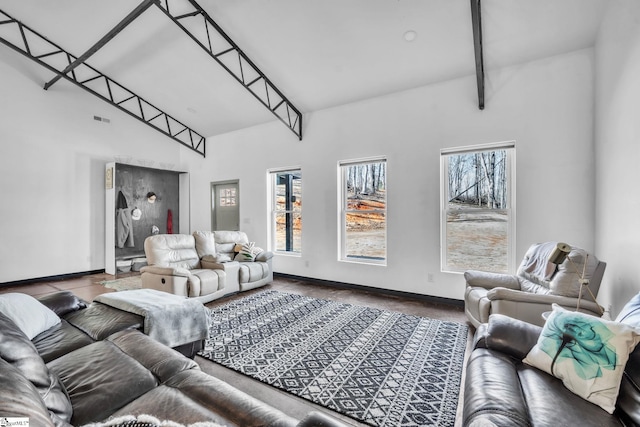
[(477, 208), (363, 215), (286, 211), (228, 197)]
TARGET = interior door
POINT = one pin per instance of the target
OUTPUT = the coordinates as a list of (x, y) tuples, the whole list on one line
[(225, 214)]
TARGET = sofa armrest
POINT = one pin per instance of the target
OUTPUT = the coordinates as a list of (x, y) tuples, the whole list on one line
[(264, 256), (488, 280), (166, 271), (542, 299), (63, 302), (210, 263), (508, 335)]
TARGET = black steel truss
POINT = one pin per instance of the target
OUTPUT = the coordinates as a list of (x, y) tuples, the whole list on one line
[(37, 47), (476, 22), (194, 21)]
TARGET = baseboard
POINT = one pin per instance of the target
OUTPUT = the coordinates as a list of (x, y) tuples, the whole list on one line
[(421, 297), (50, 278)]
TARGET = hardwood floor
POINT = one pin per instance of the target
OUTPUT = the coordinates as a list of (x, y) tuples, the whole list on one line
[(88, 287)]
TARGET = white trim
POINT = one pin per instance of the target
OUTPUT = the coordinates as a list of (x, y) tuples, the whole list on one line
[(284, 169), (491, 146), (363, 160)]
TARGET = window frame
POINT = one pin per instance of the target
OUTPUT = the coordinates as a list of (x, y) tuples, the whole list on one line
[(272, 176), (510, 148), (342, 211)]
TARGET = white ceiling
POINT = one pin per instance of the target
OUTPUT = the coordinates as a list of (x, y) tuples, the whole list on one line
[(319, 53)]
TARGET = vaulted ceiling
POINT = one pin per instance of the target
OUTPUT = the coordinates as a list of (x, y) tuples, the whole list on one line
[(319, 53)]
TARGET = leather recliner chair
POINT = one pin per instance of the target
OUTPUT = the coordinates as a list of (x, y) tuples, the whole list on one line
[(537, 285), (175, 267)]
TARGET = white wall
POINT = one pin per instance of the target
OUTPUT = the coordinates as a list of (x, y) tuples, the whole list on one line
[(52, 157), (545, 106), (618, 151)]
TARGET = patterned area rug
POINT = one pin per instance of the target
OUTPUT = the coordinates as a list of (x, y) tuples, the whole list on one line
[(379, 367), (124, 284)]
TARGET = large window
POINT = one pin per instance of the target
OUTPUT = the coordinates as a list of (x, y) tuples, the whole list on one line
[(363, 214), (286, 211), (477, 208)]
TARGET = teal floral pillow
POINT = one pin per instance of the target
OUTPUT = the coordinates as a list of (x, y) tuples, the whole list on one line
[(587, 353)]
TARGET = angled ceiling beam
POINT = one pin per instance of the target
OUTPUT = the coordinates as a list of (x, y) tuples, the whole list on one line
[(476, 21), (35, 46), (104, 40), (210, 37)]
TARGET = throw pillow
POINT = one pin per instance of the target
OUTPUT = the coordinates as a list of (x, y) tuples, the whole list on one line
[(630, 313), (586, 352), (248, 252), (29, 314)]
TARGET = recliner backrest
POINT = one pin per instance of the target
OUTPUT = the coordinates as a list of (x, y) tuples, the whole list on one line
[(226, 241), (172, 250), (205, 243), (538, 275)]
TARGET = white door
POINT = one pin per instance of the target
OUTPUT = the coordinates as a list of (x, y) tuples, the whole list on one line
[(225, 213)]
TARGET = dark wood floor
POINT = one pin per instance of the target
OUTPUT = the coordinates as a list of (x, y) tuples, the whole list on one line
[(88, 287)]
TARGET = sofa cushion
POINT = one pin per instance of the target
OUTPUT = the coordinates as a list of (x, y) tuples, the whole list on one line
[(19, 398), (253, 271), (19, 351), (60, 340), (162, 361), (496, 398), (31, 316), (226, 241), (100, 320), (100, 379), (205, 243), (172, 250), (587, 353), (62, 302), (549, 403)]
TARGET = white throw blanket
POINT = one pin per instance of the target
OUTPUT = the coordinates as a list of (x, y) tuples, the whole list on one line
[(170, 319)]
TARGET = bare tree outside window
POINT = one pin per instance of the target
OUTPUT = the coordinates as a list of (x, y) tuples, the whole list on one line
[(478, 216), (364, 216)]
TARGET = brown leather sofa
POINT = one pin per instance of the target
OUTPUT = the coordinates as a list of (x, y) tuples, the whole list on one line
[(501, 391), (96, 365)]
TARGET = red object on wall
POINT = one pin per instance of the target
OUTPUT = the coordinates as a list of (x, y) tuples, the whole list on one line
[(169, 222)]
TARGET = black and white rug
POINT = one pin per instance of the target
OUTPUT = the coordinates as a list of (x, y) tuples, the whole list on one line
[(379, 367)]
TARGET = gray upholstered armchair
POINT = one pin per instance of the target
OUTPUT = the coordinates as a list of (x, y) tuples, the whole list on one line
[(537, 285)]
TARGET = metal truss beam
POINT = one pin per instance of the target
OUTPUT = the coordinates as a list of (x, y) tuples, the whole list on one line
[(476, 21), (104, 40), (209, 36), (35, 46)]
